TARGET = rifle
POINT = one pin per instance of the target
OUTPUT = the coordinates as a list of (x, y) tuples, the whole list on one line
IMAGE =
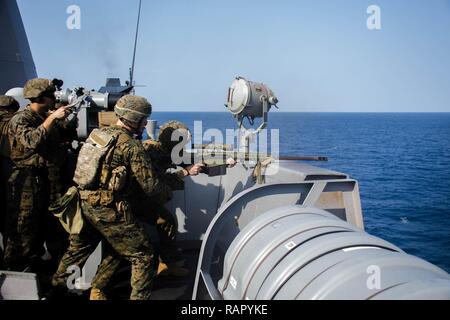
[(215, 158)]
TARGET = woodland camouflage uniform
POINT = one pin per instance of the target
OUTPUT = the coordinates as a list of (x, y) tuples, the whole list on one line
[(152, 210), (8, 107), (32, 147), (60, 174), (160, 153), (110, 214)]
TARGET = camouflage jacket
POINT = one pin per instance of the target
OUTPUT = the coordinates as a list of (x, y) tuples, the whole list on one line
[(161, 160), (141, 176), (61, 137), (31, 144), (28, 139), (5, 118)]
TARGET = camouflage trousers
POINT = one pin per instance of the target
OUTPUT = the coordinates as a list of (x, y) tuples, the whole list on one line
[(166, 227), (27, 214), (124, 238), (5, 172), (56, 237), (164, 222)]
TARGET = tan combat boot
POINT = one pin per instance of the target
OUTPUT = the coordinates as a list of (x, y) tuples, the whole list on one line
[(97, 294), (172, 269)]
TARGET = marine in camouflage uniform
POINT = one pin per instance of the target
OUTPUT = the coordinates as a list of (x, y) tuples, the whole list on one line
[(110, 214), (60, 175), (159, 152), (32, 141), (8, 107)]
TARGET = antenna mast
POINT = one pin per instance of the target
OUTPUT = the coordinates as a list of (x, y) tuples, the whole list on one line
[(135, 44)]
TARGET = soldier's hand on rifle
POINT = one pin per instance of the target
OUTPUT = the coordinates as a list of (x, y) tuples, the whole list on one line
[(194, 169), (60, 113), (231, 162)]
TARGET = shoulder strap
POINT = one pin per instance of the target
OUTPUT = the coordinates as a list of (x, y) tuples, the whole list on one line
[(122, 138), (106, 172)]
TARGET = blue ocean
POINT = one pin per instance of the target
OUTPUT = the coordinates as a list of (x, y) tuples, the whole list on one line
[(401, 161)]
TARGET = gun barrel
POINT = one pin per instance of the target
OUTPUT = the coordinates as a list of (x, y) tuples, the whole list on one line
[(304, 158), (223, 155)]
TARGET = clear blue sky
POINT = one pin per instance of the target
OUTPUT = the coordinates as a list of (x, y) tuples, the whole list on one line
[(316, 55)]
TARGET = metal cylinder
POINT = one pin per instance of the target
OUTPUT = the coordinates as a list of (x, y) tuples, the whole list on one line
[(306, 253), (151, 129), (99, 100), (64, 96)]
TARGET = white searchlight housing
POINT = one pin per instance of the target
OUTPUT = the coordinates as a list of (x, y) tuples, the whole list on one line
[(248, 99)]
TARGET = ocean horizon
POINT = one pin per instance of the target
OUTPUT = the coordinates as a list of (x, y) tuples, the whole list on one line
[(319, 112), (400, 160)]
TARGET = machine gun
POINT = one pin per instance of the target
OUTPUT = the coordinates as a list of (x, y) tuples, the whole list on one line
[(87, 105), (215, 157)]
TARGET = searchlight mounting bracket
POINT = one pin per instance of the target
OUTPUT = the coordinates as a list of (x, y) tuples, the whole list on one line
[(249, 100)]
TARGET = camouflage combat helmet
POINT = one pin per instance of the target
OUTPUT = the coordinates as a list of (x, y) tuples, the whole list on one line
[(166, 131), (9, 103), (38, 87), (133, 108)]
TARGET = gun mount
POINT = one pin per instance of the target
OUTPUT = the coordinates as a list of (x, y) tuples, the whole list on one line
[(88, 105)]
